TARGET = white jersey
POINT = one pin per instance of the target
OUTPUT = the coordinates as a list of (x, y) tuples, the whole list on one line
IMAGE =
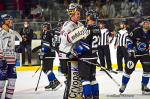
[(65, 44), (7, 45), (104, 38), (121, 38)]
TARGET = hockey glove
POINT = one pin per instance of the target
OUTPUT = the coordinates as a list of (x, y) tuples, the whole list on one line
[(130, 49), (45, 47), (41, 55)]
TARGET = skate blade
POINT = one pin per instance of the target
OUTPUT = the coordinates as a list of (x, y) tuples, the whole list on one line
[(49, 89), (145, 93), (60, 85)]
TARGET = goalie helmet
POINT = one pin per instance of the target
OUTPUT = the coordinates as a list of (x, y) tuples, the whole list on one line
[(92, 14), (73, 7), (47, 24)]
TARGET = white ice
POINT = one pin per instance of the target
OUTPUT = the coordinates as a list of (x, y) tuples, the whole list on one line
[(25, 86)]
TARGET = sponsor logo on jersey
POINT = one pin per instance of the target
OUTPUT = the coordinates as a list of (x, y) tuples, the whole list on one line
[(141, 47)]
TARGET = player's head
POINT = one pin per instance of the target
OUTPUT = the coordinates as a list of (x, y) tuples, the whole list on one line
[(74, 11), (102, 24), (91, 15), (26, 24), (46, 26), (7, 20), (60, 23), (123, 24), (146, 23)]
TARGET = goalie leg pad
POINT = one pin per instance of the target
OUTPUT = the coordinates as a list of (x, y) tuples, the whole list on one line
[(75, 90), (10, 88)]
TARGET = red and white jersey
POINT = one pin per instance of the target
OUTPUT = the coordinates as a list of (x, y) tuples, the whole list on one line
[(7, 45), (66, 44)]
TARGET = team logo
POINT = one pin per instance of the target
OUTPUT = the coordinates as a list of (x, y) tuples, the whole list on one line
[(141, 46), (130, 64)]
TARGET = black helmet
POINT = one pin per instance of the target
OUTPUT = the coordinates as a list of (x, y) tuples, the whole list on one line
[(47, 24), (5, 17), (124, 21), (93, 14)]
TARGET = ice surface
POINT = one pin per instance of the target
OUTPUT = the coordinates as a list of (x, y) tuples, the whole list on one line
[(25, 86)]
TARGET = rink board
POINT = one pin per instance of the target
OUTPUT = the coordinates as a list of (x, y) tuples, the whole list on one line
[(34, 68)]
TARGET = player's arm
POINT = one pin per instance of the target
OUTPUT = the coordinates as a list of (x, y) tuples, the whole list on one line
[(17, 35)]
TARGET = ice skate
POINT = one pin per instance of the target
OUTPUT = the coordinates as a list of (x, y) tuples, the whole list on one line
[(122, 88), (145, 90)]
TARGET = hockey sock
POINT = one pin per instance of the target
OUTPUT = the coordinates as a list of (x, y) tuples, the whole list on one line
[(2, 85), (145, 79), (86, 88), (125, 79), (10, 88), (51, 76), (95, 88)]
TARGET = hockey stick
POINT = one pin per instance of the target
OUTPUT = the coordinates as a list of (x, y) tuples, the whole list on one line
[(38, 81), (36, 71), (103, 70), (40, 73)]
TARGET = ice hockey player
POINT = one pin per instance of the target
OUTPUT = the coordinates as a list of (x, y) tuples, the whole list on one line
[(7, 56), (87, 50), (71, 32), (139, 49), (47, 38)]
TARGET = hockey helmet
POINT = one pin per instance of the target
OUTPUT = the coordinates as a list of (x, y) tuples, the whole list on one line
[(92, 14), (73, 7), (5, 17), (146, 19), (47, 24)]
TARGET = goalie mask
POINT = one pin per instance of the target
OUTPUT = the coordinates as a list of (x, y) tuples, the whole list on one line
[(73, 7)]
